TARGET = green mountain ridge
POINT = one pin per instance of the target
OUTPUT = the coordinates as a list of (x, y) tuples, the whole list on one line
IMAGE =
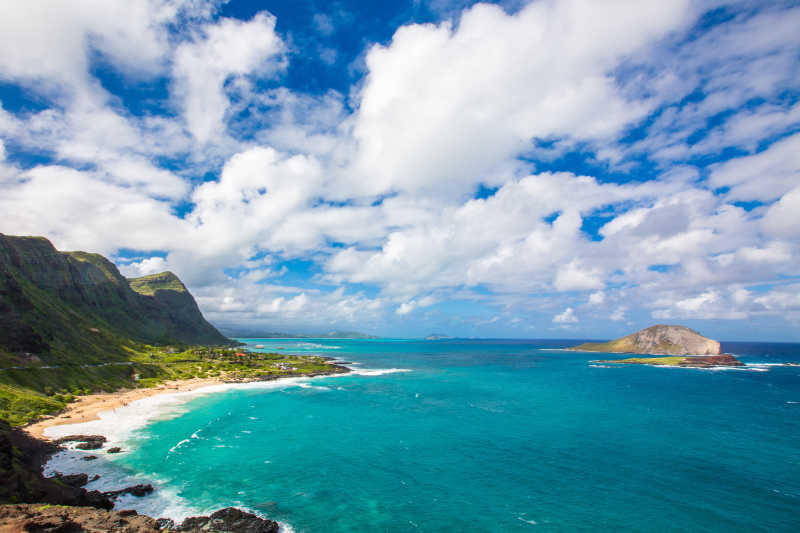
[(76, 307)]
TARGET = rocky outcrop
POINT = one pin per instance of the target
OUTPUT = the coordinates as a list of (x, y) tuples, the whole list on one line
[(57, 519), (135, 490), (21, 458), (100, 439), (657, 340), (60, 505), (692, 361), (705, 361), (229, 520), (73, 480)]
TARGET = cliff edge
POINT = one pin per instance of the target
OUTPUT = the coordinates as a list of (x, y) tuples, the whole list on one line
[(76, 307)]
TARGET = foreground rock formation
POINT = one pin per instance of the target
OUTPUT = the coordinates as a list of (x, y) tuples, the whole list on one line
[(43, 518), (657, 340), (31, 502)]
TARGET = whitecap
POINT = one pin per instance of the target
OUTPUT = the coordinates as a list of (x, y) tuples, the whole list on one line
[(377, 371), (181, 443)]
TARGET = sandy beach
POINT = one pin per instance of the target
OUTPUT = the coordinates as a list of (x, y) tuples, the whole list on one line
[(87, 408)]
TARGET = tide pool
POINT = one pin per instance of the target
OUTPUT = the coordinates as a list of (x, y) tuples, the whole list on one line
[(490, 436)]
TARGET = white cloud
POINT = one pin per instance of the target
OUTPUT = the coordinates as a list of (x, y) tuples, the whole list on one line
[(376, 186), (782, 219), (150, 265), (79, 211), (763, 176), (618, 315), (573, 277), (597, 298), (445, 107), (406, 307), (567, 317), (46, 45), (227, 49)]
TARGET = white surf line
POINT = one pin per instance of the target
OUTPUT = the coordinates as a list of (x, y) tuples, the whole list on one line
[(118, 426)]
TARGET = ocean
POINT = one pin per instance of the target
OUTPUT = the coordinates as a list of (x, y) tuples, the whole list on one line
[(474, 435)]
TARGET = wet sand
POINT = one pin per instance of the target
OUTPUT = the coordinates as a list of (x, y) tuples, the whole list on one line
[(86, 408)]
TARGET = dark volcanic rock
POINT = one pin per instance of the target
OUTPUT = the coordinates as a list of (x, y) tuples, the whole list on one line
[(92, 445), (89, 458), (229, 520), (135, 490), (81, 438), (21, 459), (725, 359), (73, 480), (165, 523), (115, 449)]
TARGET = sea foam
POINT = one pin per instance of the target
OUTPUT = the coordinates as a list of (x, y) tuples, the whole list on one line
[(119, 425)]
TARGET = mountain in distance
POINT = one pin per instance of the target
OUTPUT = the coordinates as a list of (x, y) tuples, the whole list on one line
[(75, 307), (657, 340), (260, 334)]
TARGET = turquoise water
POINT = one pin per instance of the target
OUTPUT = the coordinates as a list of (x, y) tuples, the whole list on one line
[(495, 436)]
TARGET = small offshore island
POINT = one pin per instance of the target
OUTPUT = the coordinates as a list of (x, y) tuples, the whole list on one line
[(677, 346)]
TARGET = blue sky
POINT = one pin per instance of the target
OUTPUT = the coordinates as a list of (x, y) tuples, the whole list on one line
[(556, 168)]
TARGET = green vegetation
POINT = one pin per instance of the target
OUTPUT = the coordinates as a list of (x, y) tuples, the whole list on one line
[(34, 391), (664, 361), (72, 324), (164, 281), (76, 308), (623, 345), (20, 405)]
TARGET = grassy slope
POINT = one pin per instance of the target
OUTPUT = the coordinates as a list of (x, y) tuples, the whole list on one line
[(163, 281), (661, 361), (26, 394), (622, 345), (76, 312)]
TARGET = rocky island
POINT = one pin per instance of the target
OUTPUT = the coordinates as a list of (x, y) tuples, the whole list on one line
[(678, 346)]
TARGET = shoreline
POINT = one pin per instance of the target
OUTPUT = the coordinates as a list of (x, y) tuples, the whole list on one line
[(89, 408), (118, 415)]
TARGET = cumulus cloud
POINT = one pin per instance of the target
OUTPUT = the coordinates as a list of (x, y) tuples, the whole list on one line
[(445, 107), (46, 45), (144, 267), (567, 317), (228, 49), (764, 176), (375, 187)]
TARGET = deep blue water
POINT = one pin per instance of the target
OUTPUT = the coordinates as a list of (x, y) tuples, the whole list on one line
[(495, 436)]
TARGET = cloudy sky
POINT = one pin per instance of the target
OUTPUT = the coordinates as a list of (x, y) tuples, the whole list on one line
[(555, 168)]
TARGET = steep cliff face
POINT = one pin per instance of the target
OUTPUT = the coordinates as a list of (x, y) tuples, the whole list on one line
[(60, 306), (660, 339)]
